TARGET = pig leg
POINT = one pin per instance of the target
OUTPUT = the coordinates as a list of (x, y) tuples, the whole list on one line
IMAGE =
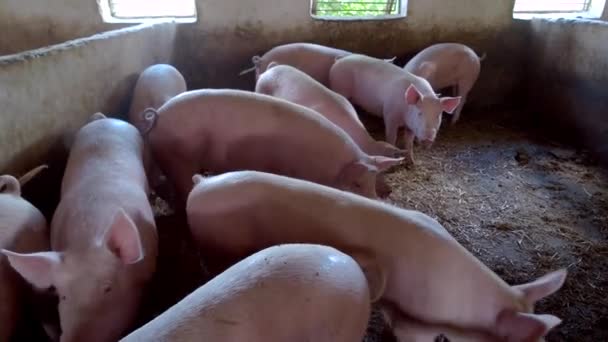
[(382, 188), (408, 138), (183, 182), (179, 175), (461, 89), (391, 128)]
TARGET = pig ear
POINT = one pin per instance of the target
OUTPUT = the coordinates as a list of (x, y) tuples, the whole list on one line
[(449, 104), (517, 326), (355, 170), (36, 268), (426, 69), (383, 163), (374, 273), (412, 95), (543, 286), (123, 239)]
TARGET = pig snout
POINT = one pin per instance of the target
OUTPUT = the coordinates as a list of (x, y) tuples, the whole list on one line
[(428, 137), (427, 143)]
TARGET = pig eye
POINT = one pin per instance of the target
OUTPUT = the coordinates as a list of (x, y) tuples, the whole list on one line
[(63, 298)]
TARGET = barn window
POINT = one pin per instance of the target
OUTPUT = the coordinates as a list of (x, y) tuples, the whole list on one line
[(558, 8), (357, 9), (143, 10)]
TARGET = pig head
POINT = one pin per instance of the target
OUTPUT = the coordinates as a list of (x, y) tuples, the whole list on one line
[(95, 295), (424, 112), (103, 236)]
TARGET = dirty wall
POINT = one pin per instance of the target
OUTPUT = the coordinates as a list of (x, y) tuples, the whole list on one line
[(47, 94), (568, 81)]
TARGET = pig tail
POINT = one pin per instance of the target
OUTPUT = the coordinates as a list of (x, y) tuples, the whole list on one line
[(9, 185)]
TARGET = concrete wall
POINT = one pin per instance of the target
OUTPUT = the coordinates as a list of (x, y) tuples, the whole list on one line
[(50, 92), (30, 24), (569, 80), (561, 63), (213, 51)]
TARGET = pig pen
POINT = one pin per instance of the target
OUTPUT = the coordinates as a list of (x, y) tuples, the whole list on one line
[(502, 180)]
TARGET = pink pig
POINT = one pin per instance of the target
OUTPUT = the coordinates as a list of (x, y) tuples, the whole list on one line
[(23, 229), (448, 65), (291, 84), (409, 258), (220, 130), (103, 235), (313, 59), (296, 292), (400, 97), (155, 86)]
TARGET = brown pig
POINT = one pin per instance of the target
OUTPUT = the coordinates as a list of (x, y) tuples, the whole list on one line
[(103, 235), (220, 130), (156, 85), (291, 84), (312, 59), (407, 256), (448, 65), (23, 229), (295, 292), (400, 97)]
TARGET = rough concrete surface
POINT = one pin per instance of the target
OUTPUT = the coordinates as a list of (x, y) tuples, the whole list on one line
[(47, 94), (31, 24), (568, 78)]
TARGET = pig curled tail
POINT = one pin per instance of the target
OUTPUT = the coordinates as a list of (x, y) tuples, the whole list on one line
[(149, 117), (9, 185)]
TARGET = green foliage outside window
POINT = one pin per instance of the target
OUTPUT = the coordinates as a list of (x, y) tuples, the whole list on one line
[(355, 8)]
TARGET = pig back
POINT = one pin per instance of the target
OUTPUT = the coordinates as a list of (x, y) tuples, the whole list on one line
[(290, 84), (240, 212), (110, 148), (104, 173), (227, 130), (155, 85), (313, 59), (371, 82), (452, 62), (285, 293)]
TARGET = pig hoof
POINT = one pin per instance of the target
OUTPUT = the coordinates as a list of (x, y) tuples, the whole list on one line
[(384, 193)]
